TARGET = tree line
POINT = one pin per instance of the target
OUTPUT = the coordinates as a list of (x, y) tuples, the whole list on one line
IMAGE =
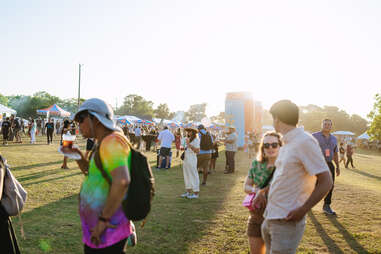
[(26, 106), (133, 104)]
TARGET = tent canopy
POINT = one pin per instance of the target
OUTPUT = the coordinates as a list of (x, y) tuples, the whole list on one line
[(364, 136), (53, 110), (345, 133), (6, 110)]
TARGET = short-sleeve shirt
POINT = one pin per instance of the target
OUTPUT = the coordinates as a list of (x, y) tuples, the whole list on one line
[(326, 144), (232, 147), (166, 138), (5, 126), (259, 173), (298, 162), (138, 132), (49, 126), (114, 152)]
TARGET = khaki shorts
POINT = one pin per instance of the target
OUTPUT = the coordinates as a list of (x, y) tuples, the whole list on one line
[(254, 223), (203, 160)]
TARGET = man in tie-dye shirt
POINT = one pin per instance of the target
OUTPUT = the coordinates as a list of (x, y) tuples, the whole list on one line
[(105, 227)]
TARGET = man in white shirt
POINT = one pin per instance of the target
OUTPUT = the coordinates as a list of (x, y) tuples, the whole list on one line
[(166, 138), (301, 180)]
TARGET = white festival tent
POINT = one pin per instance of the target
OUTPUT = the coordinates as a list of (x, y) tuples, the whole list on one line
[(364, 136), (7, 111)]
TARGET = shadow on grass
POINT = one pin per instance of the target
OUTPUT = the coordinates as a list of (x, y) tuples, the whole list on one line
[(39, 174), (176, 223), (52, 179), (357, 171), (173, 225), (52, 228), (352, 242), (37, 165), (329, 242)]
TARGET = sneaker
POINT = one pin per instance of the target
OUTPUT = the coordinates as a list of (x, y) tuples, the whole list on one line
[(185, 195), (327, 209), (193, 196)]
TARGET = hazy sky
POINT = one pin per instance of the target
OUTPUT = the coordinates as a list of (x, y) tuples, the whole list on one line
[(183, 52)]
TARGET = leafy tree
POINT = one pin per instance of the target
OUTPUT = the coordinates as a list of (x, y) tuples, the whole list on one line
[(162, 111), (26, 106), (71, 104), (136, 105), (3, 100), (220, 118), (20, 103), (196, 112), (311, 117), (375, 117)]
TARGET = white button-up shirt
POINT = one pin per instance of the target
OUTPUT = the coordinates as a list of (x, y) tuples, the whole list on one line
[(299, 161)]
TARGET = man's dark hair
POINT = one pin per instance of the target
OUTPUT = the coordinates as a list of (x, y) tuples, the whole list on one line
[(165, 127), (286, 111)]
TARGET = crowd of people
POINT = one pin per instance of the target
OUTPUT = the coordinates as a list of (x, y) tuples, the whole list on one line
[(291, 172)]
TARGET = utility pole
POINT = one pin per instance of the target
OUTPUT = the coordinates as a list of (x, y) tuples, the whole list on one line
[(79, 85)]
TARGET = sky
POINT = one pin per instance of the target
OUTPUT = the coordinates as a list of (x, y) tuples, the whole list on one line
[(185, 52)]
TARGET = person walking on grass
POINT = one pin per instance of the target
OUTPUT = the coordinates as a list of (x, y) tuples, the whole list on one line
[(215, 155), (300, 181), (342, 153), (328, 146), (5, 127), (230, 150), (349, 156), (33, 130), (178, 138), (166, 138), (205, 154), (65, 128), (191, 178), (49, 130), (260, 174), (105, 228)]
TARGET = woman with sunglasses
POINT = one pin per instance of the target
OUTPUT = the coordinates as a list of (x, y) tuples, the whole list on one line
[(259, 176)]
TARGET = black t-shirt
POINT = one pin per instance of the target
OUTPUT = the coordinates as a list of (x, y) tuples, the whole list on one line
[(17, 124), (5, 126), (49, 126)]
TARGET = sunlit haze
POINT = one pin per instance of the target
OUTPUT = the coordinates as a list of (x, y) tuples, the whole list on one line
[(188, 52)]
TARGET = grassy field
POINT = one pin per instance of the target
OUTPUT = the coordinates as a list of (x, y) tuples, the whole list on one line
[(215, 223)]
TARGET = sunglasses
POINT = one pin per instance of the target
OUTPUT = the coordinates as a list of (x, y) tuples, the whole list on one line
[(81, 117), (273, 145)]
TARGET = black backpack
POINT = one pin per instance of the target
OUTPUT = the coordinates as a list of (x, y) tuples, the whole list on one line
[(206, 142), (137, 204)]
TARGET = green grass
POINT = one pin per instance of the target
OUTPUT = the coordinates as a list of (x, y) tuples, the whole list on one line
[(215, 223)]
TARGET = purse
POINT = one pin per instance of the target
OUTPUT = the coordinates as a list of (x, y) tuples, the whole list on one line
[(14, 195), (248, 201), (182, 156)]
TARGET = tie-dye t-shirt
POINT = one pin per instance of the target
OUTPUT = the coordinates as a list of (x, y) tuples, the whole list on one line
[(114, 152)]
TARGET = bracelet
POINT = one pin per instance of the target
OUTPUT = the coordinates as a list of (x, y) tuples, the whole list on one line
[(101, 218)]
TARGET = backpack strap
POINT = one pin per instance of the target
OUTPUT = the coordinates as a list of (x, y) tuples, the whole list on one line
[(98, 163)]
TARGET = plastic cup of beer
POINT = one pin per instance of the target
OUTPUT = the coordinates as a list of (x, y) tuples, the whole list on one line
[(68, 140)]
